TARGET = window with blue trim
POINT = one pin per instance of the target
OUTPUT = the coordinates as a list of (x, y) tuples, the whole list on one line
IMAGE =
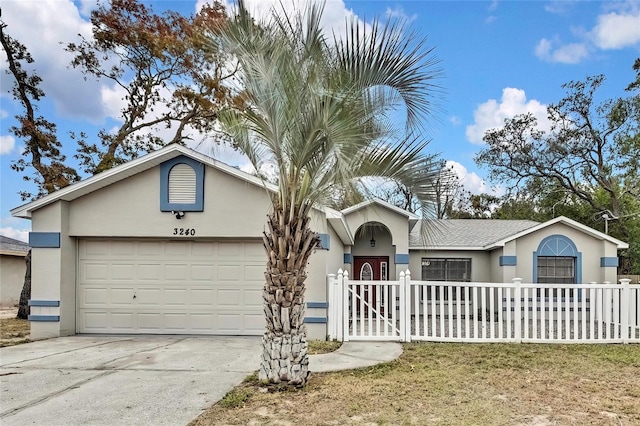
[(557, 261), (182, 185)]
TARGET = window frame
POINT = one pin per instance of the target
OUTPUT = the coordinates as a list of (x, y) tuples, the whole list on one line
[(453, 290), (165, 170)]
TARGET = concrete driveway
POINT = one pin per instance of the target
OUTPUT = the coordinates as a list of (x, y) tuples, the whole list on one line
[(100, 380)]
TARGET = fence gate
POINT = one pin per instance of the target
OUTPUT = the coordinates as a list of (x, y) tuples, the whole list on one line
[(367, 310)]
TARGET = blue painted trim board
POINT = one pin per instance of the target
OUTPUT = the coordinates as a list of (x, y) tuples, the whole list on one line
[(347, 258), (44, 239), (608, 262), (402, 259), (44, 318), (325, 241), (508, 260), (315, 320), (49, 303), (317, 305)]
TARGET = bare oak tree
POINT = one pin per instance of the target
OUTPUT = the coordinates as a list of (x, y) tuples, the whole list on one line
[(586, 153), (168, 79)]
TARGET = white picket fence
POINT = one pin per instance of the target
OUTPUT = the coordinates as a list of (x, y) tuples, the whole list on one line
[(407, 310)]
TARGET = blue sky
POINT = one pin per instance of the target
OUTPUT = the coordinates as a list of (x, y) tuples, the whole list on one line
[(499, 58)]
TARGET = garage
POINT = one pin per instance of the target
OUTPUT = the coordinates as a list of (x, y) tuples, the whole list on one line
[(153, 286)]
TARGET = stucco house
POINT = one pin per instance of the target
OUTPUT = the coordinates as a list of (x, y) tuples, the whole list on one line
[(171, 243), (12, 269)]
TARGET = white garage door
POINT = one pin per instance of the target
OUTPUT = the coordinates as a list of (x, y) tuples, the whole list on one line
[(170, 287)]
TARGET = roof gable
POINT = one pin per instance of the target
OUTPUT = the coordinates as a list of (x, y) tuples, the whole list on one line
[(488, 234), (128, 169), (382, 203), (566, 221)]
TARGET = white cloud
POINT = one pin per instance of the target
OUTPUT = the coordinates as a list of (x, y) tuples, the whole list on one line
[(3, 113), (559, 7), (617, 30), (333, 18), (617, 27), (42, 26), (455, 120), (399, 13), (7, 143), (471, 181), (86, 6), (16, 234), (113, 100), (571, 53), (491, 114)]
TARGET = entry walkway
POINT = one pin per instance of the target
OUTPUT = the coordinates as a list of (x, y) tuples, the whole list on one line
[(355, 355)]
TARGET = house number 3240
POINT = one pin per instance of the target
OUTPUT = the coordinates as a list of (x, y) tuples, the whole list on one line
[(184, 231)]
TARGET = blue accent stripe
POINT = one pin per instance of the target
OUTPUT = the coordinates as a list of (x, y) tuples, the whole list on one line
[(165, 168), (315, 320), (325, 241), (44, 318), (609, 262), (508, 260), (402, 258), (318, 305), (347, 258), (44, 239), (53, 303)]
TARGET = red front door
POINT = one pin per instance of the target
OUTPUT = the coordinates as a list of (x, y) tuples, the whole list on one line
[(369, 268)]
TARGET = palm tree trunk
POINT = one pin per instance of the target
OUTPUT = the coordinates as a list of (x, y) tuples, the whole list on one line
[(25, 294), (289, 243)]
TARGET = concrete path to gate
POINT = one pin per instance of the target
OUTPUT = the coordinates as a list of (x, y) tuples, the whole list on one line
[(124, 380)]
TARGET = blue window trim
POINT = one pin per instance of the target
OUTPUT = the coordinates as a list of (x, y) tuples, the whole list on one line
[(165, 169), (508, 260), (44, 239), (325, 241), (608, 262), (347, 258), (402, 259), (563, 247), (317, 305), (315, 320), (44, 318), (49, 303)]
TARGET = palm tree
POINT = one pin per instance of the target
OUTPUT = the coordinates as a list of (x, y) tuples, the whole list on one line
[(319, 112)]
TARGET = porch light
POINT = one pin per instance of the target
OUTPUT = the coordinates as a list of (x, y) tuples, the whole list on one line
[(372, 242)]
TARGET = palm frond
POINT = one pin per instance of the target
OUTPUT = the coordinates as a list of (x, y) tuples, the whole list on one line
[(322, 111)]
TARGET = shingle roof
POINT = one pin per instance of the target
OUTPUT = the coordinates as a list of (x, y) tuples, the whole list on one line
[(10, 245), (469, 233)]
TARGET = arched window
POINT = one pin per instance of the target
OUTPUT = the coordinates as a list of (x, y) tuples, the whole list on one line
[(182, 185), (557, 261), (366, 272)]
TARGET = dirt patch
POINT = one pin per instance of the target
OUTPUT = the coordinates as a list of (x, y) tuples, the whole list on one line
[(457, 384), (14, 331)]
